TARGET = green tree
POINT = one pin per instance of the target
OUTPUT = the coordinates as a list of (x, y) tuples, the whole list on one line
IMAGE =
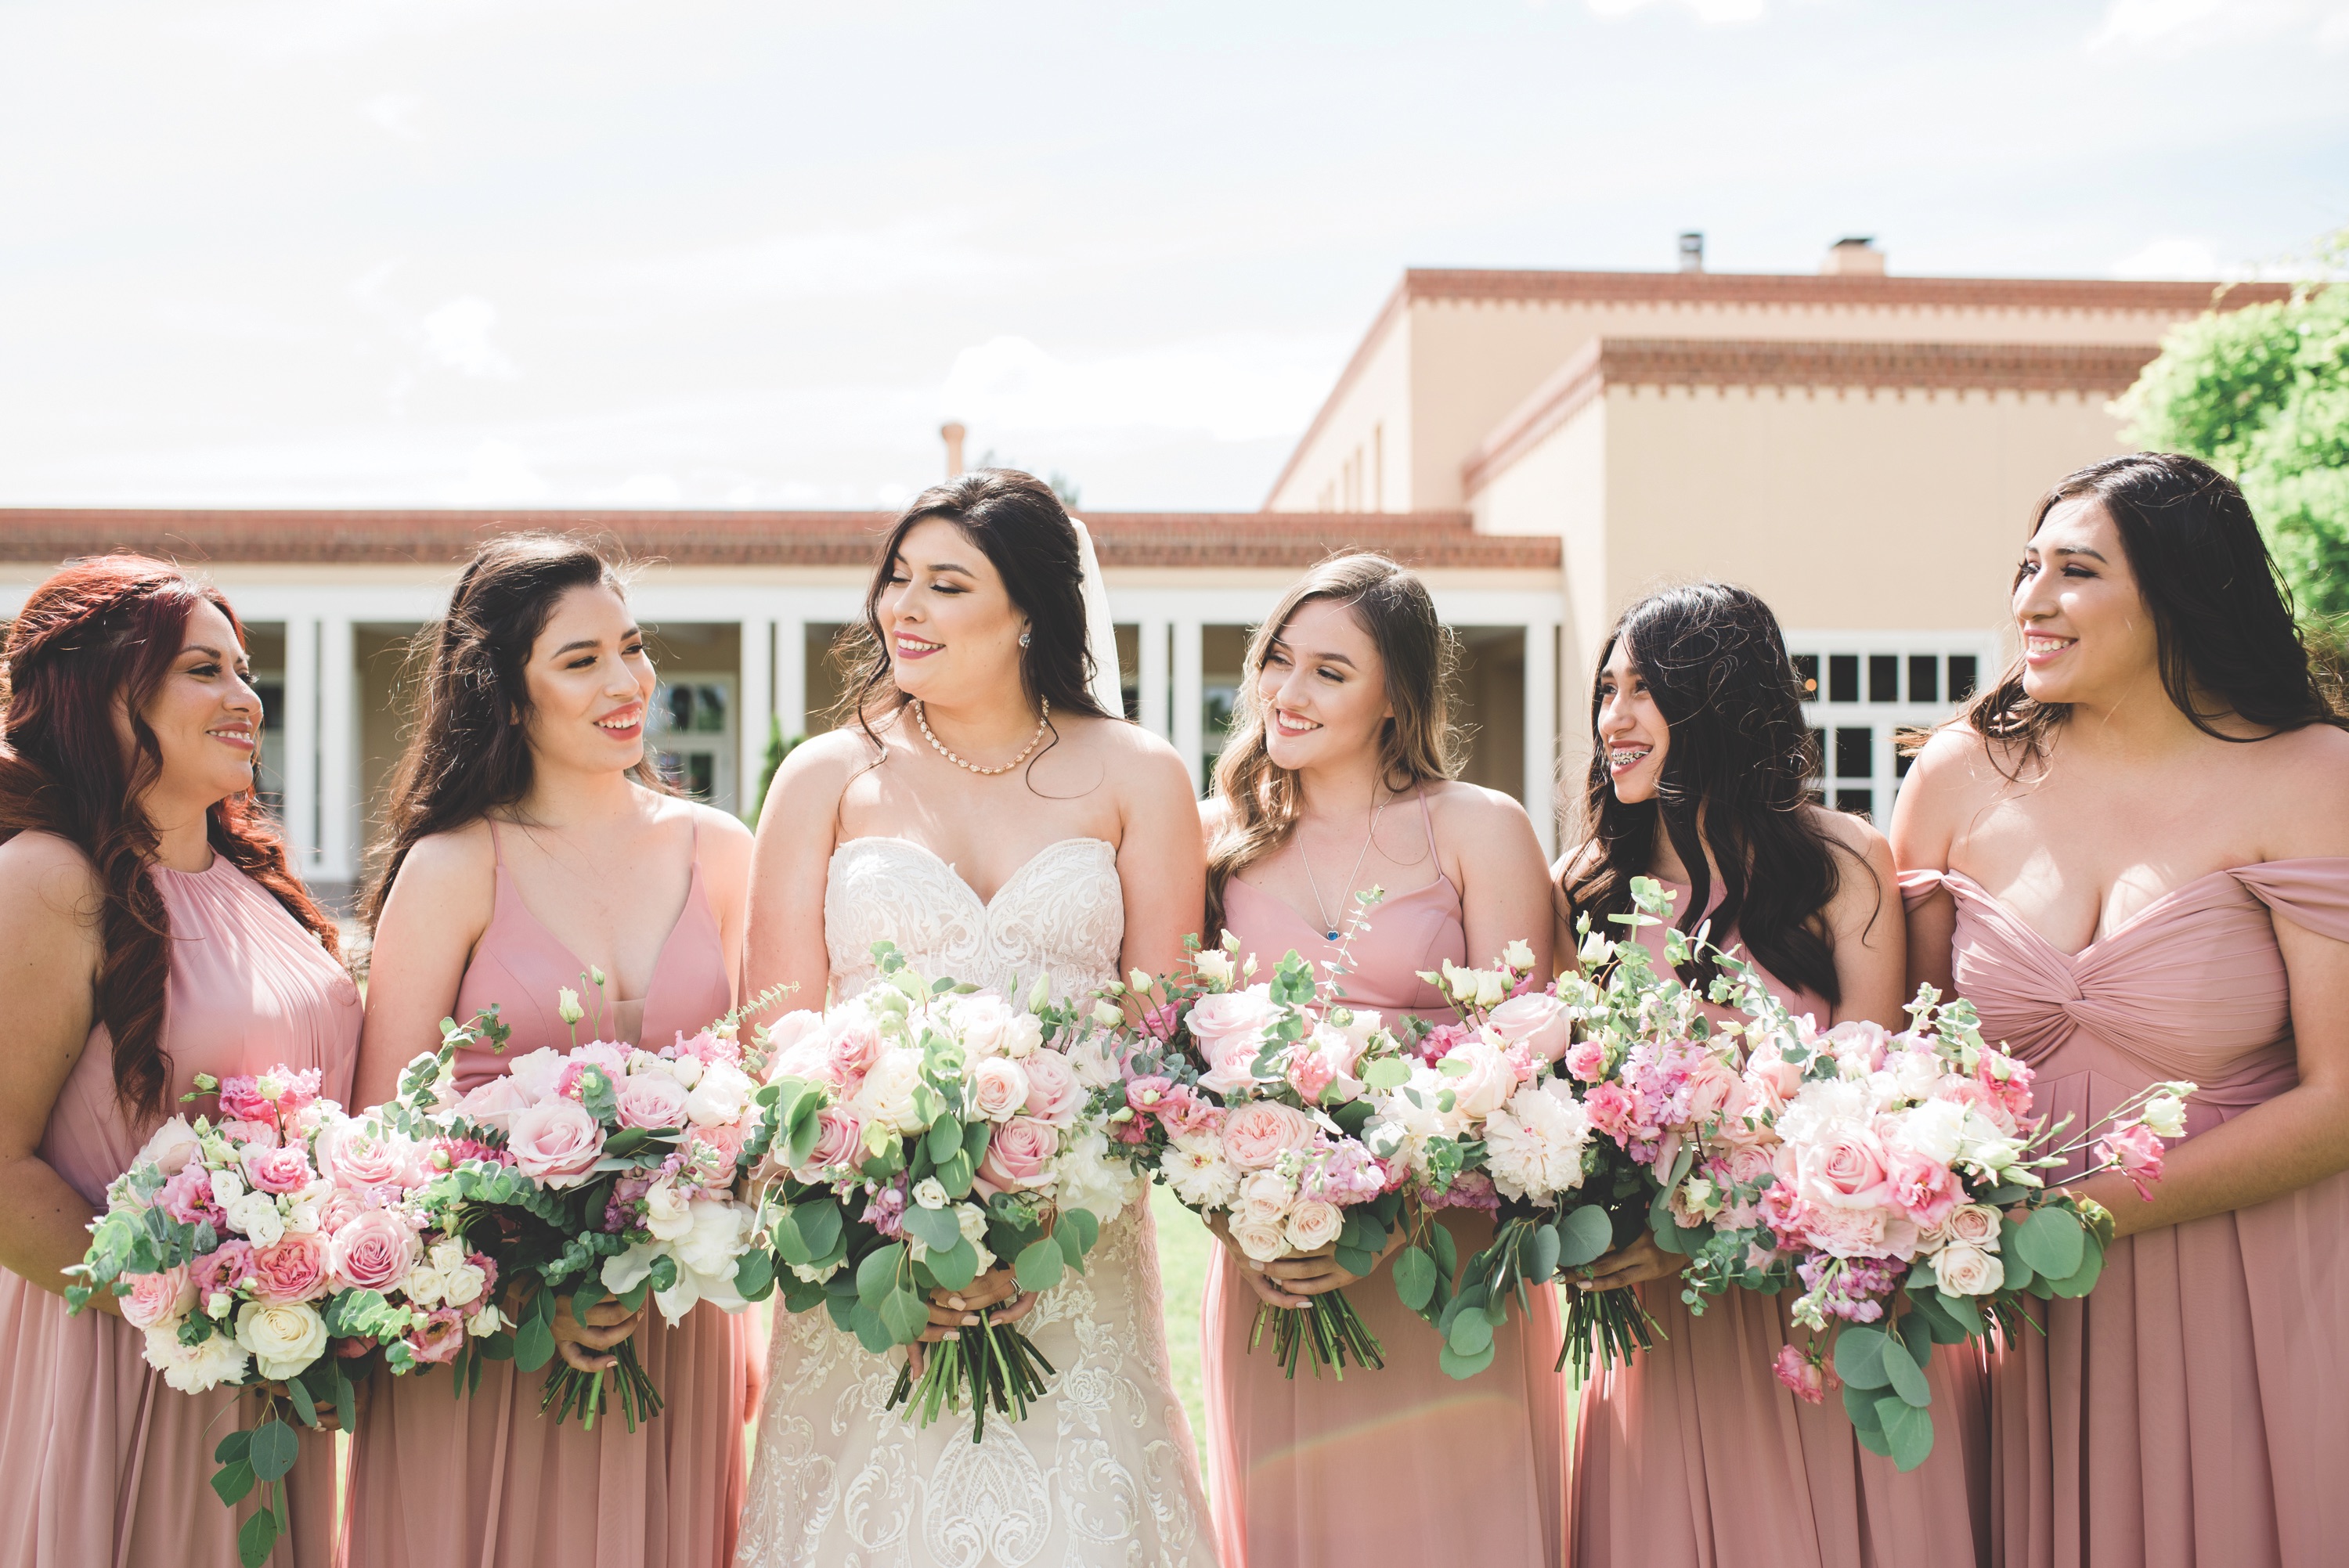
[(779, 747), (2262, 393)]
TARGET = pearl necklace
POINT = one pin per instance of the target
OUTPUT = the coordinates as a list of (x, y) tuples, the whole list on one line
[(1033, 741)]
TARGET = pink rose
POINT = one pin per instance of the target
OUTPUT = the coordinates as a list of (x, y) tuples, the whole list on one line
[(1018, 1155), (1776, 1080), (495, 1103), (840, 1138), (1852, 1232), (715, 1153), (188, 1198), (1486, 1085), (342, 1205), (1053, 1093), (1846, 1170), (374, 1252), (295, 1269), (707, 1048), (158, 1298), (2135, 1152), (556, 1143), (1805, 1376), (1858, 1042), (1712, 1086), (998, 1088), (241, 1097), (1257, 1133), (353, 1154), (1230, 1028), (855, 1046), (650, 1100), (1587, 1060), (1975, 1224), (223, 1269), (1924, 1190), (1535, 1020), (438, 1337), (277, 1170)]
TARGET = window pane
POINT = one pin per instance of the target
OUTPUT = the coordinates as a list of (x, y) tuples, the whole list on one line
[(1961, 677), (1854, 753), (1884, 677), (1806, 669), (1900, 761), (1817, 753), (1843, 677), (709, 710), (1924, 678), (1862, 801)]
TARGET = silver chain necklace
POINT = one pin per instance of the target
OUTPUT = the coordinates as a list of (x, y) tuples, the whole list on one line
[(1329, 926), (1033, 742)]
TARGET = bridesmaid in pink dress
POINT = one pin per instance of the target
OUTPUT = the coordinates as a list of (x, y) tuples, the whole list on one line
[(529, 843), (151, 930), (1692, 1455), (1337, 780), (2133, 856)]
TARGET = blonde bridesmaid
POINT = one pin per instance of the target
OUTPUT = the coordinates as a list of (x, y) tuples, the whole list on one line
[(1691, 1455), (1339, 778), (2133, 855), (150, 930), (530, 844)]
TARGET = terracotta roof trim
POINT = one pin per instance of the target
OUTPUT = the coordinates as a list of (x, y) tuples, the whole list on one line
[(1842, 291), (1722, 362)]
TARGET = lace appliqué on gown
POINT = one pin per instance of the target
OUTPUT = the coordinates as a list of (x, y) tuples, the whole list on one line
[(1103, 1471)]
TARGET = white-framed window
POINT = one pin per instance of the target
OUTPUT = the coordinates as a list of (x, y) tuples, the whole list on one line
[(1862, 688), (695, 732)]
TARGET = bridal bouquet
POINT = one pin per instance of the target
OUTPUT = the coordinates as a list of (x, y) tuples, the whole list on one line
[(604, 1169), (1251, 1102), (1897, 1178), (917, 1137), (272, 1246)]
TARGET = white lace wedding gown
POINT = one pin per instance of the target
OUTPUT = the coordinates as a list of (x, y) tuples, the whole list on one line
[(1103, 1471)]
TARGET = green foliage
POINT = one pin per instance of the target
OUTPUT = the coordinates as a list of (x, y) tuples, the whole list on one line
[(2262, 393), (779, 747)]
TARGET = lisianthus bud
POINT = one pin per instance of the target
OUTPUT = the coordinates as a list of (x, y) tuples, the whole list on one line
[(567, 1005)]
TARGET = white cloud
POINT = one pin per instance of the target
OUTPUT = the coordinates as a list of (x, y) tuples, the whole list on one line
[(1229, 387), (1710, 12), (646, 490), (457, 337), (501, 475), (2171, 258), (2179, 25), (394, 113), (920, 253)]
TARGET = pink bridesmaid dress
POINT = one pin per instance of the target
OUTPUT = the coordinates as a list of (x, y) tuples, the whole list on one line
[(1692, 1455), (487, 1481), (100, 1461), (1403, 1464), (2192, 1410)]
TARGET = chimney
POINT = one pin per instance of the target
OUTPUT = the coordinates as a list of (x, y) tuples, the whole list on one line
[(1693, 250), (953, 432), (1854, 256)]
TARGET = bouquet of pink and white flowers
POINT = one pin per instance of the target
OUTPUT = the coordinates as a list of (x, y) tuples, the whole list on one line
[(272, 1246), (607, 1169), (919, 1136), (1251, 1102)]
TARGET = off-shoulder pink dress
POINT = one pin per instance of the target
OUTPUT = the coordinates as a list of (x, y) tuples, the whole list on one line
[(1403, 1464), (488, 1482), (2192, 1412), (1692, 1455), (100, 1461)]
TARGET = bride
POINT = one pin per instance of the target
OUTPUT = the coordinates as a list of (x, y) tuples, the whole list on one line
[(984, 811)]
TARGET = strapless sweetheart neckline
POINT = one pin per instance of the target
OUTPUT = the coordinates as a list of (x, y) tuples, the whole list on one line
[(1005, 886)]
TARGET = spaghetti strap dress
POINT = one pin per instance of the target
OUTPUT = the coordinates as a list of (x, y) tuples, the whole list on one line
[(100, 1462), (1692, 1454), (487, 1481), (1403, 1464), (2192, 1412)]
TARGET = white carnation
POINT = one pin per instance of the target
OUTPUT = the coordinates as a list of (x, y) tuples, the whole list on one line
[(193, 1368), (1085, 1176), (1933, 1129), (1194, 1166)]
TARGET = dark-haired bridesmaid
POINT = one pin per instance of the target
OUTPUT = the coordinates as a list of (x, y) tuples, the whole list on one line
[(530, 842), (150, 930), (1694, 1455), (2133, 856)]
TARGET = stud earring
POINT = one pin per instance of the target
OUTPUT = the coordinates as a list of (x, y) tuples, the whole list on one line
[(1023, 639)]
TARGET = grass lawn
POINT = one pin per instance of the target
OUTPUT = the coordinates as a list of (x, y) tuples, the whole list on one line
[(1183, 1244)]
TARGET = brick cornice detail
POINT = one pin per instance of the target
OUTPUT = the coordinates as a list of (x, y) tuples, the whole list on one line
[(2086, 368), (1842, 292), (439, 538)]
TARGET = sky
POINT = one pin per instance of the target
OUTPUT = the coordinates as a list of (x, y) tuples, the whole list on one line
[(685, 252)]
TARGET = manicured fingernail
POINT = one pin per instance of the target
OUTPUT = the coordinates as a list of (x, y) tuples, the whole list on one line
[(955, 1302)]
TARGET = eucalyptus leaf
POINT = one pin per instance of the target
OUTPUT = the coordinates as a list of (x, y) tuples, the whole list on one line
[(1039, 1266), (2051, 1242), (1860, 1357), (1907, 1379), (1455, 1365), (905, 1314), (1584, 1236), (877, 1276), (258, 1539), (1471, 1333), (1910, 1437), (273, 1450), (1414, 1277)]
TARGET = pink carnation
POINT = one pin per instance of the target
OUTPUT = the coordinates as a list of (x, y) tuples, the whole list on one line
[(2134, 1149), (1924, 1190), (707, 1048), (250, 1134)]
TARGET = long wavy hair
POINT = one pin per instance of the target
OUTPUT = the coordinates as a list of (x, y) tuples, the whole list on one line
[(1416, 746), (468, 749), (1021, 526), (1735, 780), (2222, 620), (101, 632)]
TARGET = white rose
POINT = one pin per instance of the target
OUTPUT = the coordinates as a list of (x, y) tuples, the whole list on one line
[(254, 1217), (194, 1368), (687, 1070), (1095, 1061), (1975, 1224), (1963, 1270), (1486, 1085), (930, 1193), (887, 1096), (1265, 1197), (465, 1282), (446, 1253), (1314, 1225), (722, 1096), (227, 1187), (999, 1089), (285, 1338), (169, 1146), (1263, 1243), (1024, 1037), (668, 1213), (425, 1286), (486, 1321), (1916, 1074)]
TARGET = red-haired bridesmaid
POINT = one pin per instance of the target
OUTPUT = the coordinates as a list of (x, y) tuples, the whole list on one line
[(150, 930), (2133, 856), (530, 842)]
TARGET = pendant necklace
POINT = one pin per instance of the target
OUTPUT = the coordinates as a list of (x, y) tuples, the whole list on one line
[(1329, 926)]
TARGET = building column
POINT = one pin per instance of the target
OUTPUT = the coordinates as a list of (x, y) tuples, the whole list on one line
[(1189, 695), (1153, 678), (1541, 731), (790, 674), (298, 769), (340, 808), (755, 706)]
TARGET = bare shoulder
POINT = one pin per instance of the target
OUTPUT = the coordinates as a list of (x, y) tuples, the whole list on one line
[(1215, 814), (1471, 808), (1149, 770), (1858, 834), (450, 864), (819, 770), (45, 878), (2301, 782), (721, 832)]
